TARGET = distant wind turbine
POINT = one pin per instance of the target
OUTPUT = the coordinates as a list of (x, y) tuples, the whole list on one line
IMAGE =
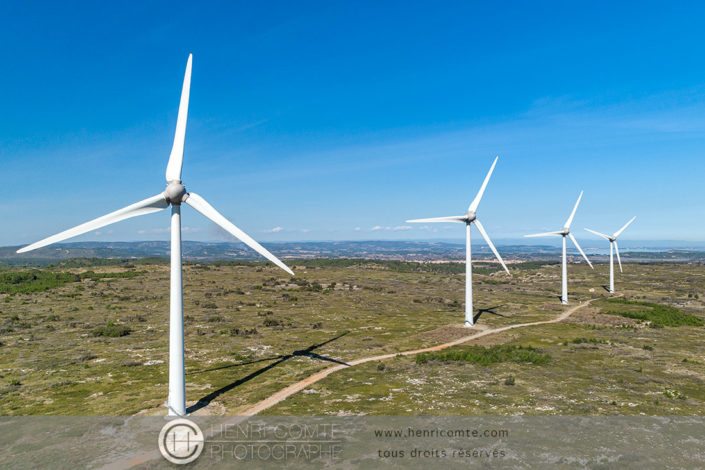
[(613, 247), (565, 232), (174, 194), (467, 219)]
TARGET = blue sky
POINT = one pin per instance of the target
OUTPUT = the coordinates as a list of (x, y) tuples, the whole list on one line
[(339, 120)]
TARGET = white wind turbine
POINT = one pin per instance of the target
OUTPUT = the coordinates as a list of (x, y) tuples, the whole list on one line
[(613, 247), (565, 232), (467, 219), (174, 194)]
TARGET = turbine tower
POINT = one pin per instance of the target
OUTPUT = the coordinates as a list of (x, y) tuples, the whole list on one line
[(174, 195), (613, 247), (565, 232), (467, 219)]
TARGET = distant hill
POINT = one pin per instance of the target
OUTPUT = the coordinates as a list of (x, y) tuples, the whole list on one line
[(390, 250)]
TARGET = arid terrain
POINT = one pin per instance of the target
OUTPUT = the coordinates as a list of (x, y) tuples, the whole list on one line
[(82, 339)]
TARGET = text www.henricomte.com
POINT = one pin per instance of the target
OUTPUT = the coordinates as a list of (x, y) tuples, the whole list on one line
[(438, 432)]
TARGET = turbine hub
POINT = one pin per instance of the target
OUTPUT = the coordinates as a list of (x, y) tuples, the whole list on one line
[(470, 217), (175, 193)]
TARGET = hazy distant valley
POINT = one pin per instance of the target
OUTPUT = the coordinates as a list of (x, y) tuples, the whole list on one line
[(381, 250)]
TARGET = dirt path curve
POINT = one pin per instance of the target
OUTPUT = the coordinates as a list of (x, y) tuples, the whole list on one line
[(298, 386)]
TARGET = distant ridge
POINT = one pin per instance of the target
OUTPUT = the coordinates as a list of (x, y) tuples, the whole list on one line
[(390, 250)]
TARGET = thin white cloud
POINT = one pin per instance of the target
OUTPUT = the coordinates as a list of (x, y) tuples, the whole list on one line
[(398, 228), (274, 230)]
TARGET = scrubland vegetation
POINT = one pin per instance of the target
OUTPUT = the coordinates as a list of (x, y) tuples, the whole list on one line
[(91, 337)]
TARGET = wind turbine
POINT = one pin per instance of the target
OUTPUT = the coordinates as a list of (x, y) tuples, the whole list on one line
[(613, 245), (467, 219), (174, 195), (565, 232)]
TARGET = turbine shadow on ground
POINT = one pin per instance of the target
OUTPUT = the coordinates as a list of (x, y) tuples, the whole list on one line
[(487, 310), (239, 364), (308, 352)]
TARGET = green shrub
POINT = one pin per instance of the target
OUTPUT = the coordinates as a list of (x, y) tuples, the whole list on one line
[(112, 330), (36, 280), (486, 356), (659, 315), (22, 282), (588, 340), (244, 331)]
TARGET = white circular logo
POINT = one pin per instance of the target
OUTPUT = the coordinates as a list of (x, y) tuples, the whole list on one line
[(181, 441)]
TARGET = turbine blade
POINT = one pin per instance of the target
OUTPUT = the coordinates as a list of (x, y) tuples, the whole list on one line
[(598, 234), (147, 206), (489, 242), (575, 242), (619, 232), (544, 234), (173, 168), (202, 206), (616, 250), (572, 214), (455, 218), (476, 202)]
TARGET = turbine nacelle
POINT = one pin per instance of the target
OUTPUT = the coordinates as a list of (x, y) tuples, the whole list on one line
[(470, 217), (175, 193)]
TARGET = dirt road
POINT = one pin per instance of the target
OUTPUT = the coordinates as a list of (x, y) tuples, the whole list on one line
[(298, 386)]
